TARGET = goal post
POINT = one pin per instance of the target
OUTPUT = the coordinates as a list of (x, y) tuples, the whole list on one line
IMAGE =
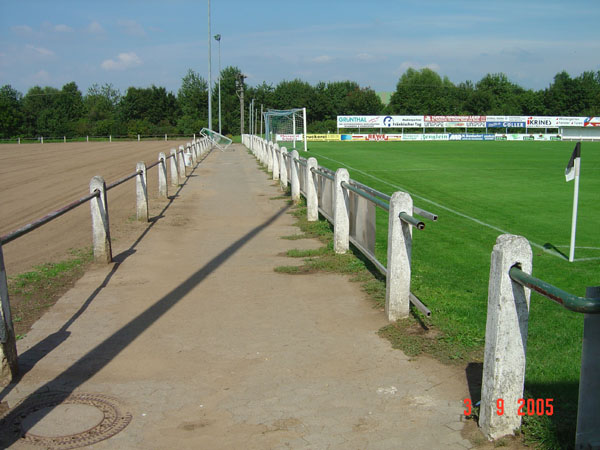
[(287, 125)]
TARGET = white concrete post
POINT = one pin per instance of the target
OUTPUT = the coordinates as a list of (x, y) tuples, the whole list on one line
[(269, 147), (505, 338), (110, 138), (192, 154), (42, 139), (181, 166), (65, 139), (138, 138), (141, 193), (100, 223), (275, 162), (9, 365), (162, 176), (173, 166), (283, 175), (397, 289), (166, 137), (341, 213), (294, 179), (312, 199)]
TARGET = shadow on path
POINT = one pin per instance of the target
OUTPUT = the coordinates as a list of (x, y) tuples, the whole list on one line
[(97, 358)]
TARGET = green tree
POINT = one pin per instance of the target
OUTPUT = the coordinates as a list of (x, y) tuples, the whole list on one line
[(11, 117), (230, 102), (150, 110), (422, 92)]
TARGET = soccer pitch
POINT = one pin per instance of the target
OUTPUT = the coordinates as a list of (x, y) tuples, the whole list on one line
[(481, 190)]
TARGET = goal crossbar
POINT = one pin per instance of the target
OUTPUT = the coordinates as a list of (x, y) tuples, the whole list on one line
[(222, 142)]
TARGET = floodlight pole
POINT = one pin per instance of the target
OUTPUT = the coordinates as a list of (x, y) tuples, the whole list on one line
[(218, 39), (209, 73)]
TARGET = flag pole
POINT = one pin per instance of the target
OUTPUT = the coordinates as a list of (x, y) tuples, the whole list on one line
[(576, 164)]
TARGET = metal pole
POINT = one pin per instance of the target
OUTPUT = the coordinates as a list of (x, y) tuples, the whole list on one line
[(588, 412), (218, 38), (261, 120), (209, 73)]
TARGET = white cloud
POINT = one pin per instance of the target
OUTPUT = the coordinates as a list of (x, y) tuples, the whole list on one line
[(124, 61), (132, 28), (322, 59), (62, 28), (40, 50), (40, 77), (22, 29), (95, 28)]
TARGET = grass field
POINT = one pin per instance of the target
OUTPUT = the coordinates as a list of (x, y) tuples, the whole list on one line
[(481, 190)]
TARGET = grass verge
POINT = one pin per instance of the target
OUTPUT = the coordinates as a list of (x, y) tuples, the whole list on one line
[(33, 293)]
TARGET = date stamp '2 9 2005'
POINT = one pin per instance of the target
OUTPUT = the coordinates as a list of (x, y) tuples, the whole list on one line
[(526, 407)]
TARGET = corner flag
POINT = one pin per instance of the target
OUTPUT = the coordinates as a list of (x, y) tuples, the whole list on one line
[(572, 166), (572, 173)]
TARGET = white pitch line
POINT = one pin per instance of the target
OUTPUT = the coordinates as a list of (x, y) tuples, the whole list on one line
[(480, 222)]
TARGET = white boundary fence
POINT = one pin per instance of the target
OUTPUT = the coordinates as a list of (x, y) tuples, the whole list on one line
[(187, 156), (350, 207), (510, 284)]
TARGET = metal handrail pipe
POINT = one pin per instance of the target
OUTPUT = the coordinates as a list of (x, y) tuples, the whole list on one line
[(411, 220), (375, 192), (572, 302), (302, 161), (419, 304), (47, 218), (428, 215), (123, 180), (323, 174), (366, 195), (153, 165)]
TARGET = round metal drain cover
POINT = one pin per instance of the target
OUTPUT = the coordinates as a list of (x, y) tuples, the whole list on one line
[(57, 420)]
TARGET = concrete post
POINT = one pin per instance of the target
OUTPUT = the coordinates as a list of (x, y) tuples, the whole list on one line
[(312, 200), (181, 166), (275, 162), (9, 365), (588, 412), (505, 338), (294, 179), (341, 213), (283, 174), (141, 193), (192, 152), (397, 289), (173, 166), (110, 138), (162, 176), (269, 147), (100, 223), (65, 139), (166, 137), (138, 138)]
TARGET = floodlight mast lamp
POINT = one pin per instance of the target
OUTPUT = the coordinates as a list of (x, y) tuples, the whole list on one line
[(218, 39)]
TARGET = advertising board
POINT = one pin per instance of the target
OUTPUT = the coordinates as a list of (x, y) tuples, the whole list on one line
[(505, 124), (541, 122), (591, 122), (323, 137), (379, 121), (289, 137)]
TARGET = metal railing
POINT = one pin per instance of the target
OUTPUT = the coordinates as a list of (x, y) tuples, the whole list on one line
[(569, 301), (289, 169)]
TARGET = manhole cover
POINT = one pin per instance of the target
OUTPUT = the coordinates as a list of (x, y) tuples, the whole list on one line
[(57, 420)]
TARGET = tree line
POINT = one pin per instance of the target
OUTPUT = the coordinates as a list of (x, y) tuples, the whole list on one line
[(103, 110)]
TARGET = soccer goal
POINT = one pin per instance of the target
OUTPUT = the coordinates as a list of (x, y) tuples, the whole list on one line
[(222, 142), (286, 126)]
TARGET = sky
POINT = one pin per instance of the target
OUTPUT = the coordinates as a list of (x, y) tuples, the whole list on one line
[(140, 43)]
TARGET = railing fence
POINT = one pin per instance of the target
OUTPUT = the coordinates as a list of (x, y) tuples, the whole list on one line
[(101, 242), (349, 206)]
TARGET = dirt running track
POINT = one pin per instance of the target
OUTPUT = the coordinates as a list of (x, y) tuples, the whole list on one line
[(36, 179)]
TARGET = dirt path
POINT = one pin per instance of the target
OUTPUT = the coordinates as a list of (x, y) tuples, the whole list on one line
[(36, 179), (207, 347)]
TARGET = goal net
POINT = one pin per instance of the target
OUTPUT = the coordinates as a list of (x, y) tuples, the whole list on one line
[(222, 142), (286, 126)]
